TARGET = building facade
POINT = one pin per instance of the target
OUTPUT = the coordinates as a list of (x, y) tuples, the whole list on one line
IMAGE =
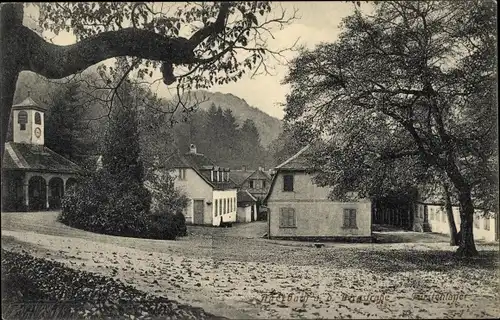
[(247, 207), (212, 194), (34, 177), (485, 227), (299, 209), (257, 182)]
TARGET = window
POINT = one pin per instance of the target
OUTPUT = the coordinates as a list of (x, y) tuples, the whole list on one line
[(432, 214), (486, 223), (182, 174), (350, 218), (476, 222), (22, 119), (223, 206), (38, 118), (216, 207), (288, 182), (251, 184), (287, 218), (264, 184)]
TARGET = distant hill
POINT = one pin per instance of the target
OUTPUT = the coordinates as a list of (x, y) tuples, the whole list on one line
[(269, 127)]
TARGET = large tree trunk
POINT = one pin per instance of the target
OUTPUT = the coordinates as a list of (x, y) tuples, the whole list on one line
[(10, 17), (454, 240), (467, 247)]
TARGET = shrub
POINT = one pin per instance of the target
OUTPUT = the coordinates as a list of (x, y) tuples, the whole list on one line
[(180, 223), (102, 204), (162, 226), (168, 203)]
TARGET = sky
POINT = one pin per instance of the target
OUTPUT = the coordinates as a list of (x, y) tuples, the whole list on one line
[(316, 22)]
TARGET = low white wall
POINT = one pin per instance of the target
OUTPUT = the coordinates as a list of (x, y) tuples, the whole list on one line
[(226, 207), (484, 228), (244, 214)]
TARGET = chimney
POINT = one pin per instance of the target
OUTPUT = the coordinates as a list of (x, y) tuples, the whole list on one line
[(192, 148)]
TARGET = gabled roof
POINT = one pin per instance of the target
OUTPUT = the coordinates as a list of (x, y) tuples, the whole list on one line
[(202, 165), (30, 157), (296, 162), (244, 196), (240, 176)]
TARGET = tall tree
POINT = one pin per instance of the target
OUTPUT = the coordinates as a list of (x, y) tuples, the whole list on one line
[(230, 139), (65, 132), (415, 81), (122, 152), (251, 149), (107, 29)]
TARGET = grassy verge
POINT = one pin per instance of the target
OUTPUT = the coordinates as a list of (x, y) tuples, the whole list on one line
[(34, 288)]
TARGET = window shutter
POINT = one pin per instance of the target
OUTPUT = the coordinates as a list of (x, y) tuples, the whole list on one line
[(282, 216), (288, 182), (291, 217), (353, 218), (346, 218)]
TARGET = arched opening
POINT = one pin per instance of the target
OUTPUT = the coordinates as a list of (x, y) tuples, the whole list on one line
[(22, 119), (13, 192), (56, 192), (70, 183), (37, 191), (38, 118)]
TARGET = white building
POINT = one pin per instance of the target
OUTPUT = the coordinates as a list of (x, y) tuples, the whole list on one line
[(300, 209), (485, 226), (34, 177), (212, 194)]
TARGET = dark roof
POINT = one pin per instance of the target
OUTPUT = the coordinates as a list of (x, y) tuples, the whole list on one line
[(239, 176), (202, 165), (28, 103), (30, 157), (244, 196), (297, 162)]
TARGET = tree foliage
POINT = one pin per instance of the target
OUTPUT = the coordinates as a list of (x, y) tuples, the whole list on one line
[(196, 44), (216, 134), (65, 130), (403, 90)]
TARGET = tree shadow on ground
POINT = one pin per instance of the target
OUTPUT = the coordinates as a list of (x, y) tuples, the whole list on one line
[(401, 260)]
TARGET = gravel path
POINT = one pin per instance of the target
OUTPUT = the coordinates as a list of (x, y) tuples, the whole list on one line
[(234, 273)]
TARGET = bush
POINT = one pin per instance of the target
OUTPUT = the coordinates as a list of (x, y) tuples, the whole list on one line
[(180, 223), (162, 226), (102, 204)]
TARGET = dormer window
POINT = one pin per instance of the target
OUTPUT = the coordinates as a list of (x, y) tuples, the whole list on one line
[(22, 119), (38, 118)]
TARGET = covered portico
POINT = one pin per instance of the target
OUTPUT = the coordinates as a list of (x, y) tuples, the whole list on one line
[(35, 178)]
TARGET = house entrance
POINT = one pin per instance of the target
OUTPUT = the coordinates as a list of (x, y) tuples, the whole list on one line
[(198, 210), (37, 193)]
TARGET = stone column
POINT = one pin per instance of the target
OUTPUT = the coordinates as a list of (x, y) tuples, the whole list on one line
[(47, 190), (64, 185), (26, 195)]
